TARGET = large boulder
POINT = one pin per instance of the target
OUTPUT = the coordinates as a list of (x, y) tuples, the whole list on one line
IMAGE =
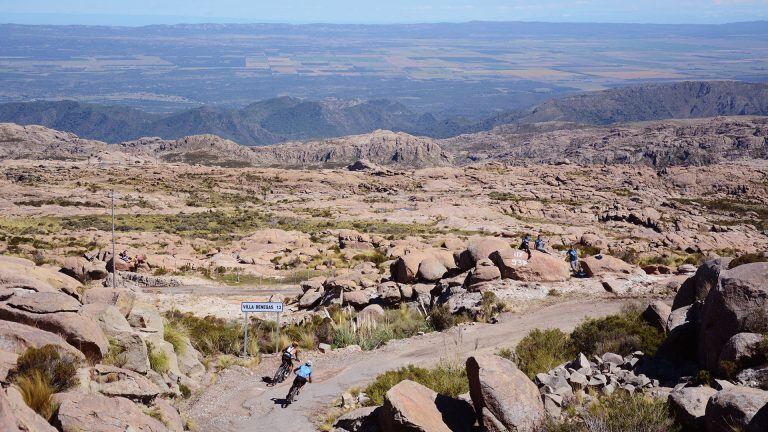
[(189, 360), (115, 381), (743, 350), (431, 269), (601, 265), (44, 302), (737, 408), (79, 331), (363, 419), (411, 407), (310, 298), (96, 413), (83, 270), (132, 352), (542, 267), (503, 393), (481, 248), (656, 314), (7, 364), (484, 271), (738, 304), (359, 299), (389, 293), (19, 273), (689, 404), (16, 416), (696, 287), (16, 338), (109, 318), (121, 298), (145, 318), (405, 269)]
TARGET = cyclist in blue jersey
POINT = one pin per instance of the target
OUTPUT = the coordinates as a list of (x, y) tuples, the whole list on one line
[(303, 376)]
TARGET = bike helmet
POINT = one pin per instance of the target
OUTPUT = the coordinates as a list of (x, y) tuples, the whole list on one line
[(309, 363)]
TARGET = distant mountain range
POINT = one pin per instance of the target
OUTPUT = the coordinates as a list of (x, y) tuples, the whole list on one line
[(290, 119)]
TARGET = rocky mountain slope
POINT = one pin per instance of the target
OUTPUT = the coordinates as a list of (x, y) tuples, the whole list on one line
[(290, 119), (658, 144), (673, 142), (682, 100), (379, 147), (265, 122)]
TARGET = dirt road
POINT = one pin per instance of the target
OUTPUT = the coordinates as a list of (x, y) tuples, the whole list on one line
[(241, 401)]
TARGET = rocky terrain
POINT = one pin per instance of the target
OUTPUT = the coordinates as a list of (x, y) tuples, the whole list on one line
[(660, 144), (109, 335), (380, 231)]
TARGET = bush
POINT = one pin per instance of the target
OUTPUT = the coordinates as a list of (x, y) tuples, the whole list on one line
[(36, 389), (620, 412), (623, 412), (748, 258), (209, 335), (395, 324), (158, 359), (491, 305), (441, 318), (176, 336), (622, 334), (58, 371), (116, 355), (542, 350), (446, 379)]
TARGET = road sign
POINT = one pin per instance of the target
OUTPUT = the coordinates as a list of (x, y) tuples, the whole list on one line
[(261, 307), (251, 307)]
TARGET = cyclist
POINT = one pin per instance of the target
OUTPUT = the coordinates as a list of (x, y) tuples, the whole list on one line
[(303, 376), (290, 353)]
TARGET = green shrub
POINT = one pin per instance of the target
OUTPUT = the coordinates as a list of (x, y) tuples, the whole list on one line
[(158, 359), (491, 305), (446, 379), (116, 355), (542, 350), (58, 371), (36, 390), (210, 335), (620, 412), (748, 258), (441, 318), (395, 324), (176, 336), (622, 334), (624, 412), (185, 391)]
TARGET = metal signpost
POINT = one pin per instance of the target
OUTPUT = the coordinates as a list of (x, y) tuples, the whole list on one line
[(247, 307)]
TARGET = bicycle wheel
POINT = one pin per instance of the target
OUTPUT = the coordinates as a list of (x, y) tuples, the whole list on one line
[(292, 394), (279, 375)]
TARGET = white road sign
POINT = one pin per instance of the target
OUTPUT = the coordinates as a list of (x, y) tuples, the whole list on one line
[(261, 307)]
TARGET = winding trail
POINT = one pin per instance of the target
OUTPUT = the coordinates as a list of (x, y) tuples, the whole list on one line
[(241, 401)]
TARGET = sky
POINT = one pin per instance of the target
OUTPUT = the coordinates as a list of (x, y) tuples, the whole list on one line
[(143, 12)]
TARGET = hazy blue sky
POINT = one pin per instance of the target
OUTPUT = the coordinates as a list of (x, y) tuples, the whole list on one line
[(139, 12)]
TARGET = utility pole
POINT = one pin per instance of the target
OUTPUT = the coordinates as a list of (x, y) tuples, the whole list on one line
[(114, 257)]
